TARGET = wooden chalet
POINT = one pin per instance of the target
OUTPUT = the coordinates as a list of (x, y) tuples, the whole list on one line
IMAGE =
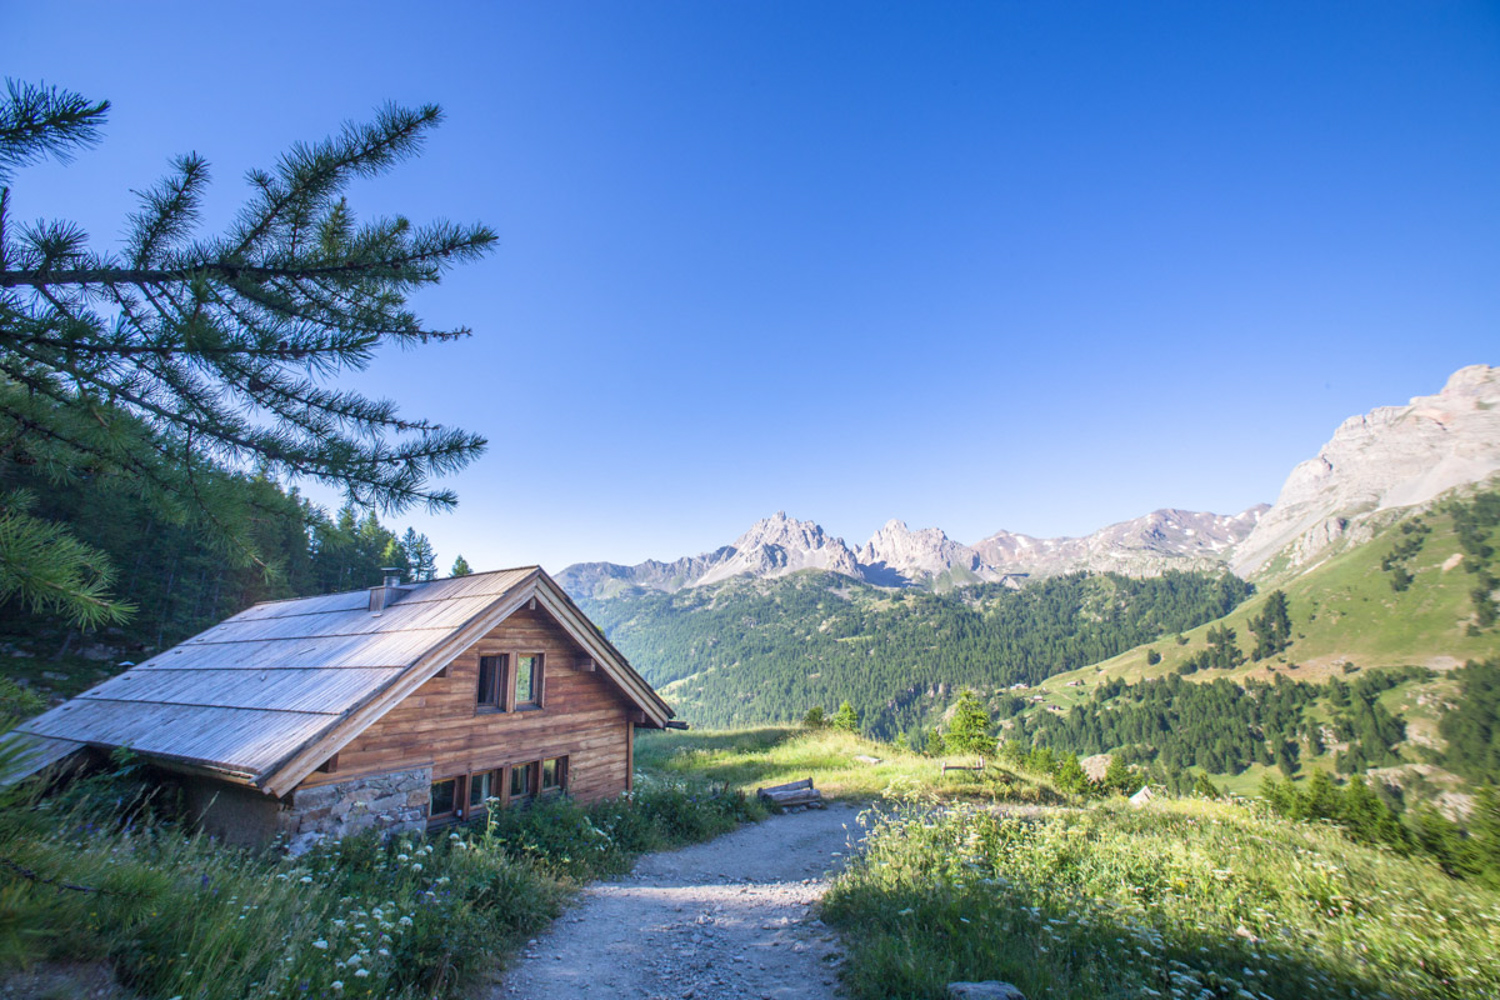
[(392, 708)]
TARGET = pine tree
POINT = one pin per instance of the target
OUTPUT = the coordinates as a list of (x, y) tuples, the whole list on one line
[(846, 719), (1070, 776), (1272, 628), (814, 719), (1206, 788), (182, 351), (421, 559), (460, 567), (968, 732), (1118, 777)]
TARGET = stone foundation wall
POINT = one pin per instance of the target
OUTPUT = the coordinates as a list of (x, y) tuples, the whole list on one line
[(391, 803)]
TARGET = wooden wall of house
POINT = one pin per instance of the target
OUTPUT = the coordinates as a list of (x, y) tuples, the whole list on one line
[(583, 717)]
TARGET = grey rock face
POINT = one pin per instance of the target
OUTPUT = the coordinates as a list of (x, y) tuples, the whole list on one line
[(897, 556), (1393, 456), (1144, 546), (779, 545)]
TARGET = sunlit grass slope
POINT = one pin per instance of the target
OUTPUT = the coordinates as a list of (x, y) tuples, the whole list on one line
[(1343, 611), (752, 758), (1186, 898)]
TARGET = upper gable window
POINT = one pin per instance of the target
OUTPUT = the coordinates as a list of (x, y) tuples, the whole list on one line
[(492, 670), (529, 681)]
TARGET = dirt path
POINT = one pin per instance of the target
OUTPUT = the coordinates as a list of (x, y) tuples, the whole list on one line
[(725, 920)]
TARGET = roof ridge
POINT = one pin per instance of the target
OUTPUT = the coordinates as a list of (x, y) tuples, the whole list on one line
[(360, 590)]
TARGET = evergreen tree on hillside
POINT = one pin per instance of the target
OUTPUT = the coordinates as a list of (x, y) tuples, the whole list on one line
[(1272, 628), (1118, 777), (1070, 776), (969, 731), (1223, 648), (845, 719), (183, 351), (1472, 727), (460, 567)]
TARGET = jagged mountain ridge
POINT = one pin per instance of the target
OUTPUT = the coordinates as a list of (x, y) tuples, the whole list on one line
[(1143, 546), (1393, 456), (897, 556)]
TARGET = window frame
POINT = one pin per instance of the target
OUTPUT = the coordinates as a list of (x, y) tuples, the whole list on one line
[(538, 683), (560, 771), (456, 808), (533, 771), (497, 786), (496, 693), (492, 693)]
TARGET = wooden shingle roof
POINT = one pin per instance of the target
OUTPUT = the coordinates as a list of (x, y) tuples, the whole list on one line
[(264, 697)]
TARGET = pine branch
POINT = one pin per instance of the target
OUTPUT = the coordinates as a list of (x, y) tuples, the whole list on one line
[(37, 121)]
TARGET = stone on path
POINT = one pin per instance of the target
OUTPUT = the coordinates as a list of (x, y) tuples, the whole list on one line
[(992, 989)]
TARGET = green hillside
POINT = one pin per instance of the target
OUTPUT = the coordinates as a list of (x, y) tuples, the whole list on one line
[(1356, 675), (1345, 610), (751, 651), (1377, 633)]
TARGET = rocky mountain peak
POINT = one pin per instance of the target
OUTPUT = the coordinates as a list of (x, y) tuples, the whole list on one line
[(778, 529), (1393, 456), (778, 545), (895, 556)]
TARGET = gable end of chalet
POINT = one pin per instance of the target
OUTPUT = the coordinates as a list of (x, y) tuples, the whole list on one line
[(270, 697)]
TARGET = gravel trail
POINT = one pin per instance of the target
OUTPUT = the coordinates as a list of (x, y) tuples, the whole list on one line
[(730, 919)]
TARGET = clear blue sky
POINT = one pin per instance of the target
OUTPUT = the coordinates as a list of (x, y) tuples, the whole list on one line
[(1034, 266)]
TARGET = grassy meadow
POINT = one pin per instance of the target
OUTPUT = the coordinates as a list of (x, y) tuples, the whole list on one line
[(1185, 898), (101, 879), (1191, 898), (772, 755)]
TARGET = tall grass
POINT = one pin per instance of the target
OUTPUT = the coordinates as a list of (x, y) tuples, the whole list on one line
[(180, 915), (1189, 899), (770, 755)]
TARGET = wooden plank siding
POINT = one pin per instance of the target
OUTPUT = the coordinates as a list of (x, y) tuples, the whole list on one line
[(583, 717)]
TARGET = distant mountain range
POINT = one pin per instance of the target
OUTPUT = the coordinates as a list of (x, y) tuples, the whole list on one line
[(1391, 457), (897, 556)]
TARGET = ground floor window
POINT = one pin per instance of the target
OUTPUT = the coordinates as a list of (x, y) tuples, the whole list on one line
[(522, 781), (469, 795), (554, 774), (443, 801), (483, 787)]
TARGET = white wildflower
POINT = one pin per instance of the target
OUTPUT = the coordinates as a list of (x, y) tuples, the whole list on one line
[(321, 945)]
